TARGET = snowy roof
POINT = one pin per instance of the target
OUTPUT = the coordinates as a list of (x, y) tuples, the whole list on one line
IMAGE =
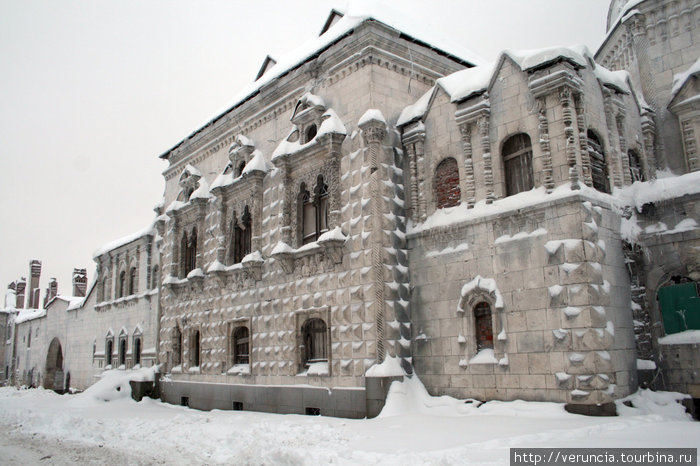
[(680, 79), (371, 114), (10, 299), (358, 12), (26, 315), (469, 82), (257, 163), (122, 241), (529, 59)]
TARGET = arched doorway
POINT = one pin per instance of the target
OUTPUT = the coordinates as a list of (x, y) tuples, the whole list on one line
[(53, 380)]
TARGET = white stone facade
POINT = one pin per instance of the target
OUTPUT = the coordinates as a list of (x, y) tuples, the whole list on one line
[(495, 228)]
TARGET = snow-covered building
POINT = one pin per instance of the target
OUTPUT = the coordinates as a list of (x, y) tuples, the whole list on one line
[(381, 203), (72, 339), (383, 197)]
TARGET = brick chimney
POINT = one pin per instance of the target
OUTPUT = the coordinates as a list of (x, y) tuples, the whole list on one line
[(34, 290), (21, 287), (51, 292), (79, 282)]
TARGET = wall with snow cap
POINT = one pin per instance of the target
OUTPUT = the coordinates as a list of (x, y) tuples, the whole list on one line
[(82, 326), (555, 278)]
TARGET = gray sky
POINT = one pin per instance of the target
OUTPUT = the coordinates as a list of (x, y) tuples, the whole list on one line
[(93, 91)]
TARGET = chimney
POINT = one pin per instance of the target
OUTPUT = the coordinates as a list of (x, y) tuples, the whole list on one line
[(34, 290), (51, 292), (21, 286), (11, 296), (79, 282)]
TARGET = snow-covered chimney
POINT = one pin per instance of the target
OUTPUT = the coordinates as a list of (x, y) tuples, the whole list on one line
[(11, 296), (34, 290), (79, 282), (20, 288), (51, 292)]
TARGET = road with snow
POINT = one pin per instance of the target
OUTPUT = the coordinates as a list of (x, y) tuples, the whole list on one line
[(41, 427)]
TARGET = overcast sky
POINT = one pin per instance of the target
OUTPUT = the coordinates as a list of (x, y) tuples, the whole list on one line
[(93, 91)]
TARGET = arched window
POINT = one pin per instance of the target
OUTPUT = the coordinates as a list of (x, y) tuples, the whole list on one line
[(109, 349), (122, 283), (517, 164), (636, 173), (313, 211), (315, 340), (310, 133), (447, 191), (599, 166), (188, 247), (195, 349), (132, 280), (137, 350), (154, 277), (122, 350), (240, 344), (483, 328), (105, 290), (241, 236), (176, 343)]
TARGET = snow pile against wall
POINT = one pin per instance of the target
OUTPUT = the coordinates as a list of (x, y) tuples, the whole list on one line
[(411, 397), (114, 385), (646, 402)]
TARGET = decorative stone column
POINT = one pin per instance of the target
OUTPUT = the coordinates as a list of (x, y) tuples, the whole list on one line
[(583, 140), (412, 140), (543, 129), (465, 130), (624, 157), (286, 199), (413, 180), (373, 132), (484, 126), (571, 148), (613, 153), (420, 163), (649, 134)]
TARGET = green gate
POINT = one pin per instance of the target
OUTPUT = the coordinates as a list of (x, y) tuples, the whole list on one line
[(680, 307)]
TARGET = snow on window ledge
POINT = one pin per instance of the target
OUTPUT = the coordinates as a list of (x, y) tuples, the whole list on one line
[(239, 369), (177, 369), (194, 370), (316, 368), (485, 356)]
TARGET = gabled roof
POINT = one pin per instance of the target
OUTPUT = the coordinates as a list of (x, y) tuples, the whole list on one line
[(123, 241), (471, 82), (681, 79), (333, 18), (336, 27), (268, 63)]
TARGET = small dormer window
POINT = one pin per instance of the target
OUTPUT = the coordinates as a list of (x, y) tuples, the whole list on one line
[(241, 167), (311, 132), (189, 181), (239, 154)]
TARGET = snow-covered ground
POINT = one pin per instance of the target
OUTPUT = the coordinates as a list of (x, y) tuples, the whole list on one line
[(414, 428)]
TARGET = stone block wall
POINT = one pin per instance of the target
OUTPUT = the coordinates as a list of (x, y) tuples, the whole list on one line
[(563, 329)]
